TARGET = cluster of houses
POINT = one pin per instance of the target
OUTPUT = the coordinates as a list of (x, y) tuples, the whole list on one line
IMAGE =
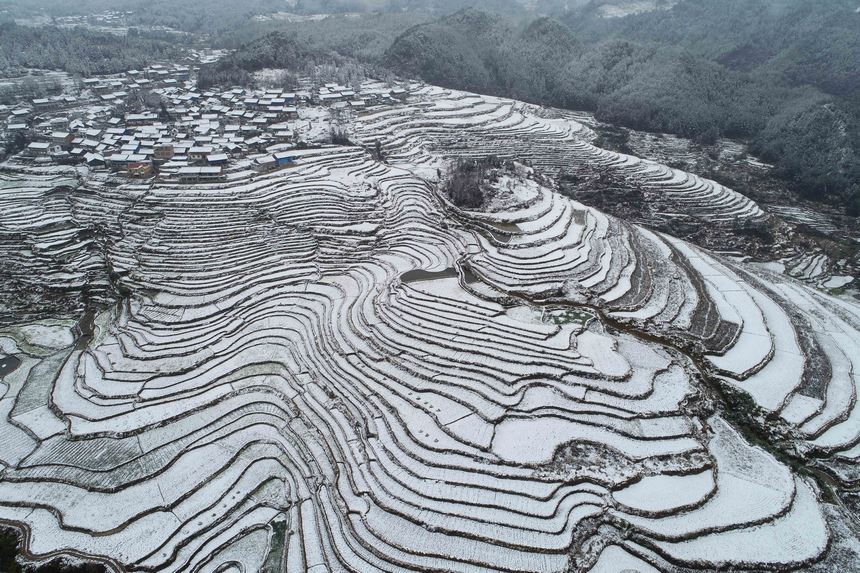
[(189, 134), (109, 21), (334, 95)]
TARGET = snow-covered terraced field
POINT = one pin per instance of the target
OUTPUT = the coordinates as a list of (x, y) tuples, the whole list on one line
[(41, 243), (458, 124), (332, 368)]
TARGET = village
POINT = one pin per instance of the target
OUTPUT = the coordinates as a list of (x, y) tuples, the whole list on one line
[(155, 123)]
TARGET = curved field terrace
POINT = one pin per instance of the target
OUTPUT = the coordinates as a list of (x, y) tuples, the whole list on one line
[(334, 368)]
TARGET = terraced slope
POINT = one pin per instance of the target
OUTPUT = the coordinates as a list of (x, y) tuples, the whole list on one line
[(332, 368), (459, 124), (48, 258)]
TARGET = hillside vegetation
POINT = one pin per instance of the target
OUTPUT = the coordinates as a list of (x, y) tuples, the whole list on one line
[(761, 70), (76, 50), (279, 50)]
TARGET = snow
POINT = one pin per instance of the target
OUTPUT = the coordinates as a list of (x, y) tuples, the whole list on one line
[(837, 281), (666, 492), (534, 441), (615, 559), (47, 336), (335, 347), (798, 536), (622, 8)]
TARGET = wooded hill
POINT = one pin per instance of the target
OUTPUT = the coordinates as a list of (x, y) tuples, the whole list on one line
[(783, 74)]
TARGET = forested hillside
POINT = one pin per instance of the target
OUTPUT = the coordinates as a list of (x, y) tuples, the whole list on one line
[(77, 51), (276, 50), (783, 74)]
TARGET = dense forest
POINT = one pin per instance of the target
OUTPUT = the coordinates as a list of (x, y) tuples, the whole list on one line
[(275, 50), (760, 70), (76, 50)]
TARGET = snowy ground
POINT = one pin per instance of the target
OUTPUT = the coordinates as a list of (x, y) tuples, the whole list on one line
[(332, 368)]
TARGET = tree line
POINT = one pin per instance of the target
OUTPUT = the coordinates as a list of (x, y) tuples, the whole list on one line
[(781, 74), (76, 50)]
